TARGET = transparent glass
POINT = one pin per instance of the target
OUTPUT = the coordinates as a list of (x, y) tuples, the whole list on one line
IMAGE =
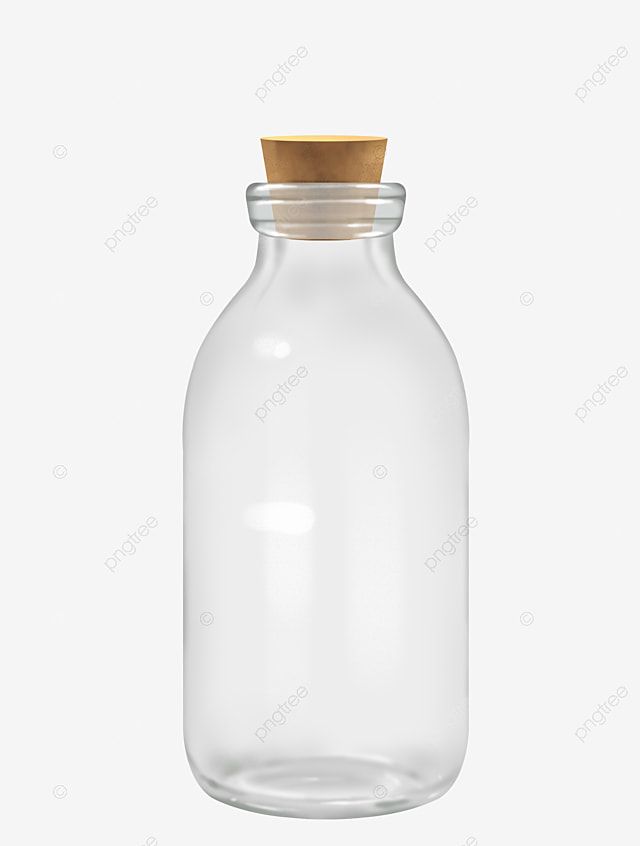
[(325, 523)]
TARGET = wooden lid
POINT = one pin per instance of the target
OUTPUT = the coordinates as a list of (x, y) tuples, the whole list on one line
[(323, 158)]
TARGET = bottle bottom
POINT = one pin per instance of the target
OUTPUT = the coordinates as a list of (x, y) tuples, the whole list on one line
[(326, 788)]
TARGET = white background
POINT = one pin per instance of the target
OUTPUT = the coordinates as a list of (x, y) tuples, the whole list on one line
[(158, 99)]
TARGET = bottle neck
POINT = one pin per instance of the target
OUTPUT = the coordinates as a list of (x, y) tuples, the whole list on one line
[(327, 260), (334, 238)]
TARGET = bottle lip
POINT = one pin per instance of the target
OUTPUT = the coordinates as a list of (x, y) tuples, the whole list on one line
[(325, 210)]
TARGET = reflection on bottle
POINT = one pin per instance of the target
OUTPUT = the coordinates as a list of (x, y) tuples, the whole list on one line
[(287, 518)]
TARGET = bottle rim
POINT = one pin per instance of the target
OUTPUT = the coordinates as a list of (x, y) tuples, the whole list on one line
[(325, 210)]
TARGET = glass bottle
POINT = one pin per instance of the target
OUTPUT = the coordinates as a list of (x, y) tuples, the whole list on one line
[(326, 523)]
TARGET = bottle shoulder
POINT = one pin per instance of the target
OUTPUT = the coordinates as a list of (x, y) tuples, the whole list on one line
[(386, 337), (387, 311)]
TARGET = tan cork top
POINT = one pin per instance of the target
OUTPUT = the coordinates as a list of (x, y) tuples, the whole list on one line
[(323, 158)]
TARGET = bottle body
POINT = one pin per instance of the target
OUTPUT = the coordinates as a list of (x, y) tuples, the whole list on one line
[(326, 452)]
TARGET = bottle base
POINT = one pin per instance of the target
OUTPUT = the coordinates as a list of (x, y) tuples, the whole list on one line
[(325, 788)]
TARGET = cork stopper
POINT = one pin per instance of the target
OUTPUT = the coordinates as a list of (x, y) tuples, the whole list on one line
[(323, 158)]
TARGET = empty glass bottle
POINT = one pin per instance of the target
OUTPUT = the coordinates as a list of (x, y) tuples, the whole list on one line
[(326, 523)]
